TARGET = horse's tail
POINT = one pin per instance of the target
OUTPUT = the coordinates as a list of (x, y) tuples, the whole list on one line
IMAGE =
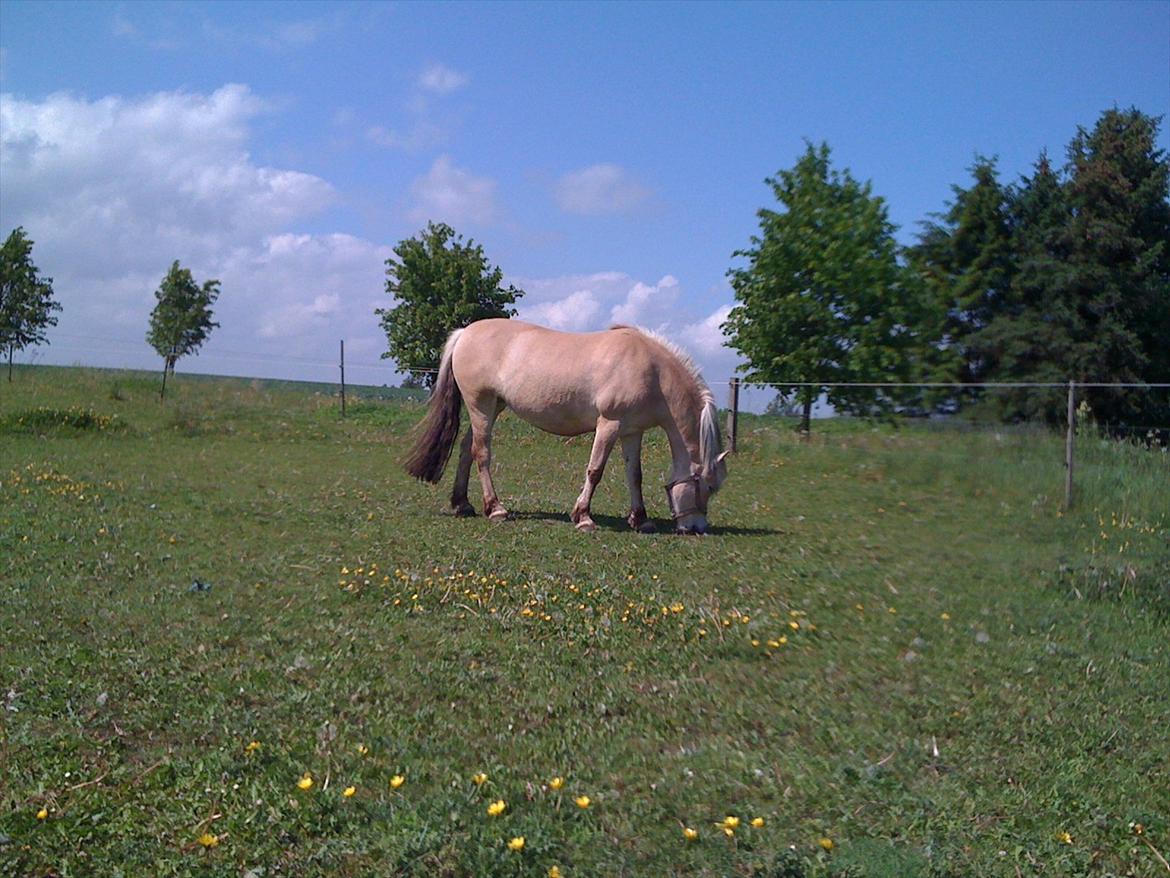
[(437, 432)]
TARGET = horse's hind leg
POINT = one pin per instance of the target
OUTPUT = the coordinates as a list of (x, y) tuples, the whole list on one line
[(632, 452), (483, 415), (603, 439), (459, 502)]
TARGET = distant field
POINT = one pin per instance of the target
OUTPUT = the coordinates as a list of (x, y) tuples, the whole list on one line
[(894, 651)]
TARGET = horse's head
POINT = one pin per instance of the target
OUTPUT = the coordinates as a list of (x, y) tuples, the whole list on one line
[(688, 497)]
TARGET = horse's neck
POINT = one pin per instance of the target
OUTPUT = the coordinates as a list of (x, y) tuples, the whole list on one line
[(683, 434)]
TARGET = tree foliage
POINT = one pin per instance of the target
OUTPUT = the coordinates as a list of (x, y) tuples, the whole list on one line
[(26, 298), (1065, 275), (823, 296), (181, 319), (440, 284)]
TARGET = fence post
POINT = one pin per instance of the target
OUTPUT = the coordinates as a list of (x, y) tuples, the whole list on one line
[(1069, 439), (733, 416), (343, 377)]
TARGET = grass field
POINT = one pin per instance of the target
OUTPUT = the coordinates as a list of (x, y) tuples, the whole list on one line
[(895, 655)]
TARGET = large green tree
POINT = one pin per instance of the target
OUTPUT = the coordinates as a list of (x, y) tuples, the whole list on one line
[(965, 258), (440, 284), (26, 298), (823, 297), (1117, 247), (181, 319)]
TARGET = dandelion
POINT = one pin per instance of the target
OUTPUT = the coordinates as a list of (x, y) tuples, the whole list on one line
[(946, 617), (42, 814), (516, 844), (583, 802), (826, 843), (252, 747), (554, 872), (730, 822), (397, 781), (496, 808), (690, 834), (1064, 837), (306, 781), (362, 749), (479, 779), (556, 783), (209, 840), (758, 822), (729, 832), (348, 792)]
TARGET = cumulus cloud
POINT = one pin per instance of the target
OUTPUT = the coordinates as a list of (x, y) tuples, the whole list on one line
[(601, 189), (454, 195), (582, 303), (113, 190)]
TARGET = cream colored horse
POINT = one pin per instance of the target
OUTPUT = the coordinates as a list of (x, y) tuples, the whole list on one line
[(617, 384)]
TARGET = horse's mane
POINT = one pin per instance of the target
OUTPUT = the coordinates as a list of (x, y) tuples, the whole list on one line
[(710, 442)]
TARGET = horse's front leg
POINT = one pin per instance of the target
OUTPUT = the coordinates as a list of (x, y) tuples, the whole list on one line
[(632, 452), (482, 419), (603, 440)]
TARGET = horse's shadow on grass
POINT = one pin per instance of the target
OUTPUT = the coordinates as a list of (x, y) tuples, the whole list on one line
[(615, 523)]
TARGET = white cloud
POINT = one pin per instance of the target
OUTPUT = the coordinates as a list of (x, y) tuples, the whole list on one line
[(113, 190), (648, 305), (441, 80), (422, 134), (450, 194), (577, 312), (601, 189)]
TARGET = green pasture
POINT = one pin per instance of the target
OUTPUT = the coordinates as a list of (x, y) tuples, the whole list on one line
[(895, 653)]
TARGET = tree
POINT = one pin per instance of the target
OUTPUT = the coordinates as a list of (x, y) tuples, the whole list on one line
[(26, 298), (823, 297), (441, 284), (181, 319), (1118, 259), (965, 258)]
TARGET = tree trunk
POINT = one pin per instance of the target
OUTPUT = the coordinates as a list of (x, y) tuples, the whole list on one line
[(10, 348), (166, 368), (806, 413)]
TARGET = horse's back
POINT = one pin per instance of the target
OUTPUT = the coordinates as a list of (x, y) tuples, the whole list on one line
[(560, 381)]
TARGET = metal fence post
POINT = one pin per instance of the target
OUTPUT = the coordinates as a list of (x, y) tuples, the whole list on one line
[(733, 416)]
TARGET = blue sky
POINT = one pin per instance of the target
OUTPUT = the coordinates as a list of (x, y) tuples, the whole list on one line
[(609, 157)]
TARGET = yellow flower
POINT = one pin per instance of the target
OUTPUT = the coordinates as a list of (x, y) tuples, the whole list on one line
[(690, 834), (479, 779), (729, 832), (397, 781), (731, 822), (554, 872), (208, 840), (42, 814), (583, 801), (556, 783), (826, 843), (757, 822), (496, 808), (306, 781), (945, 617), (362, 749), (348, 792), (1064, 837), (516, 844), (252, 747)]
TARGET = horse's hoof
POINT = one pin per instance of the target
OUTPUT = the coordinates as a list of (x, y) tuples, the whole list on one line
[(647, 527), (464, 510), (498, 514), (586, 526)]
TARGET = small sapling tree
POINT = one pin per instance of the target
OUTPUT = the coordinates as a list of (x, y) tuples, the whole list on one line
[(181, 319), (26, 298)]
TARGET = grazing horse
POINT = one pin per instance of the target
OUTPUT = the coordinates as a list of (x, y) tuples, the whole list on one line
[(617, 384)]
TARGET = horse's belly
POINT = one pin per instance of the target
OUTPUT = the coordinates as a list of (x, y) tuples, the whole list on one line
[(563, 420)]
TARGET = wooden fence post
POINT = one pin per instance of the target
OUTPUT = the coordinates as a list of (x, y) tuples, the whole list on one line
[(1070, 438), (343, 377), (733, 416)]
